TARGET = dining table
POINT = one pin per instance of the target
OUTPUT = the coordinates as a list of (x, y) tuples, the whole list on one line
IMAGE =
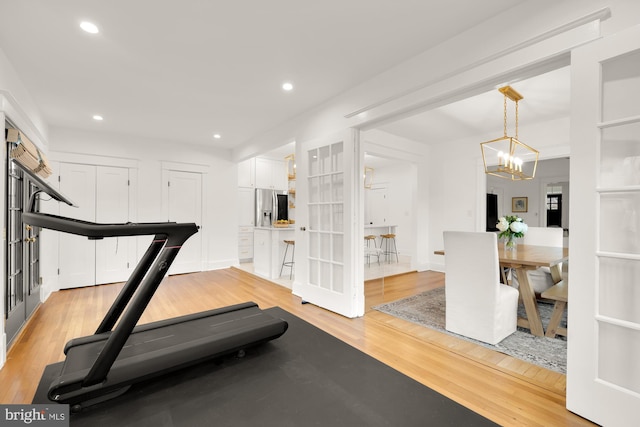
[(523, 259)]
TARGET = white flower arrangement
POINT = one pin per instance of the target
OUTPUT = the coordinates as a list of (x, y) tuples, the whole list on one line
[(511, 227)]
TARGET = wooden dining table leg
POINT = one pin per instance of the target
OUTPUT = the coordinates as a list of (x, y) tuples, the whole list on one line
[(533, 321)]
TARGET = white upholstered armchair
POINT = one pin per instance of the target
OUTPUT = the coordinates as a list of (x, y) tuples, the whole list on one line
[(478, 306)]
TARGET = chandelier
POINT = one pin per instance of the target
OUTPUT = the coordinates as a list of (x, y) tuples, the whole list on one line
[(507, 157)]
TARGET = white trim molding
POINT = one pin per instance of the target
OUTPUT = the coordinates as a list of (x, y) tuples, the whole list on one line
[(551, 36), (89, 159)]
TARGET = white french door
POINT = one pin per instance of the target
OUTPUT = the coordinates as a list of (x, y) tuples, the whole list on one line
[(184, 201), (327, 260), (603, 379)]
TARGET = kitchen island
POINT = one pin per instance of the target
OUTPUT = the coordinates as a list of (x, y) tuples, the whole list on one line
[(268, 250)]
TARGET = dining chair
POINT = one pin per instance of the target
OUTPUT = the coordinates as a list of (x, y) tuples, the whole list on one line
[(540, 279), (478, 306)]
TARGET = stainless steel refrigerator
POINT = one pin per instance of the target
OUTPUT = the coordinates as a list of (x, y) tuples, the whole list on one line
[(271, 206)]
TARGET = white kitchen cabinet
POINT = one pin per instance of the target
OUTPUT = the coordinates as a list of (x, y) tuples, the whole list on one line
[(247, 173), (269, 248), (245, 243), (246, 210), (270, 173), (246, 217), (262, 252)]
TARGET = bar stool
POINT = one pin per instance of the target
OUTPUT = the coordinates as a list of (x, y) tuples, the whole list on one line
[(286, 263), (369, 251), (385, 244)]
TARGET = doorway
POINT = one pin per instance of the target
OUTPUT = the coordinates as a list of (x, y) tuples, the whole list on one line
[(452, 185), (389, 204), (554, 210)]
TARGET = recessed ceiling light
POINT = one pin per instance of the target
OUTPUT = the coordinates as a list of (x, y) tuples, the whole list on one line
[(89, 27), (217, 136), (287, 86), (98, 118)]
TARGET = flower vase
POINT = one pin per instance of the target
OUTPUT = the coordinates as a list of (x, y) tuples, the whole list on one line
[(511, 244)]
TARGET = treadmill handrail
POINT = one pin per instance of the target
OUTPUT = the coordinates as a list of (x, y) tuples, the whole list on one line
[(94, 230)]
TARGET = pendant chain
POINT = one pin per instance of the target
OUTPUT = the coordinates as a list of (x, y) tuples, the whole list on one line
[(505, 116), (516, 119)]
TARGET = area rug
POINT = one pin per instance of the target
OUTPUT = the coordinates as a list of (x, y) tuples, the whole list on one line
[(428, 309)]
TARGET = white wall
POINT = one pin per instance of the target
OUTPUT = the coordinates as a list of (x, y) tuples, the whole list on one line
[(220, 223)]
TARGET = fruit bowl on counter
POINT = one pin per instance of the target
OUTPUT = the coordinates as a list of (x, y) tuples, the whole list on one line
[(281, 224)]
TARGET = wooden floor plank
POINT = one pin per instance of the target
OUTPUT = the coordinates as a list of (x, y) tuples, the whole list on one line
[(504, 389)]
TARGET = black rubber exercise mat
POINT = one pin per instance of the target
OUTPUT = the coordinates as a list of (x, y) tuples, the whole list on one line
[(304, 378)]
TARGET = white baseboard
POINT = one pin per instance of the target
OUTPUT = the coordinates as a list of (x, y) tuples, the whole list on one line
[(45, 293), (435, 267), (220, 264)]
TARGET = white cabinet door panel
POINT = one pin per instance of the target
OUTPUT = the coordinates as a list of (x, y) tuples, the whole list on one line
[(114, 256), (76, 256)]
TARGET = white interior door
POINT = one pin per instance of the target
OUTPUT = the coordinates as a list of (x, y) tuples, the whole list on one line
[(603, 379), (326, 267), (185, 205), (76, 256), (377, 206), (113, 255)]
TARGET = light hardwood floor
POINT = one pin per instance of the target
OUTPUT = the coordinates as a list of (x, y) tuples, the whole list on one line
[(506, 390)]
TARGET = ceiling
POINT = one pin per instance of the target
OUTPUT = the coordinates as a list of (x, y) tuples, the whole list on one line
[(544, 97), (182, 71)]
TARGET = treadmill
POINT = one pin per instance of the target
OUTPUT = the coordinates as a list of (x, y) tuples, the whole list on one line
[(104, 365)]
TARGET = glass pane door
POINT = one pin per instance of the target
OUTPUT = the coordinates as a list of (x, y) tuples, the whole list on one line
[(326, 208), (22, 293), (328, 270), (603, 380), (618, 253)]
